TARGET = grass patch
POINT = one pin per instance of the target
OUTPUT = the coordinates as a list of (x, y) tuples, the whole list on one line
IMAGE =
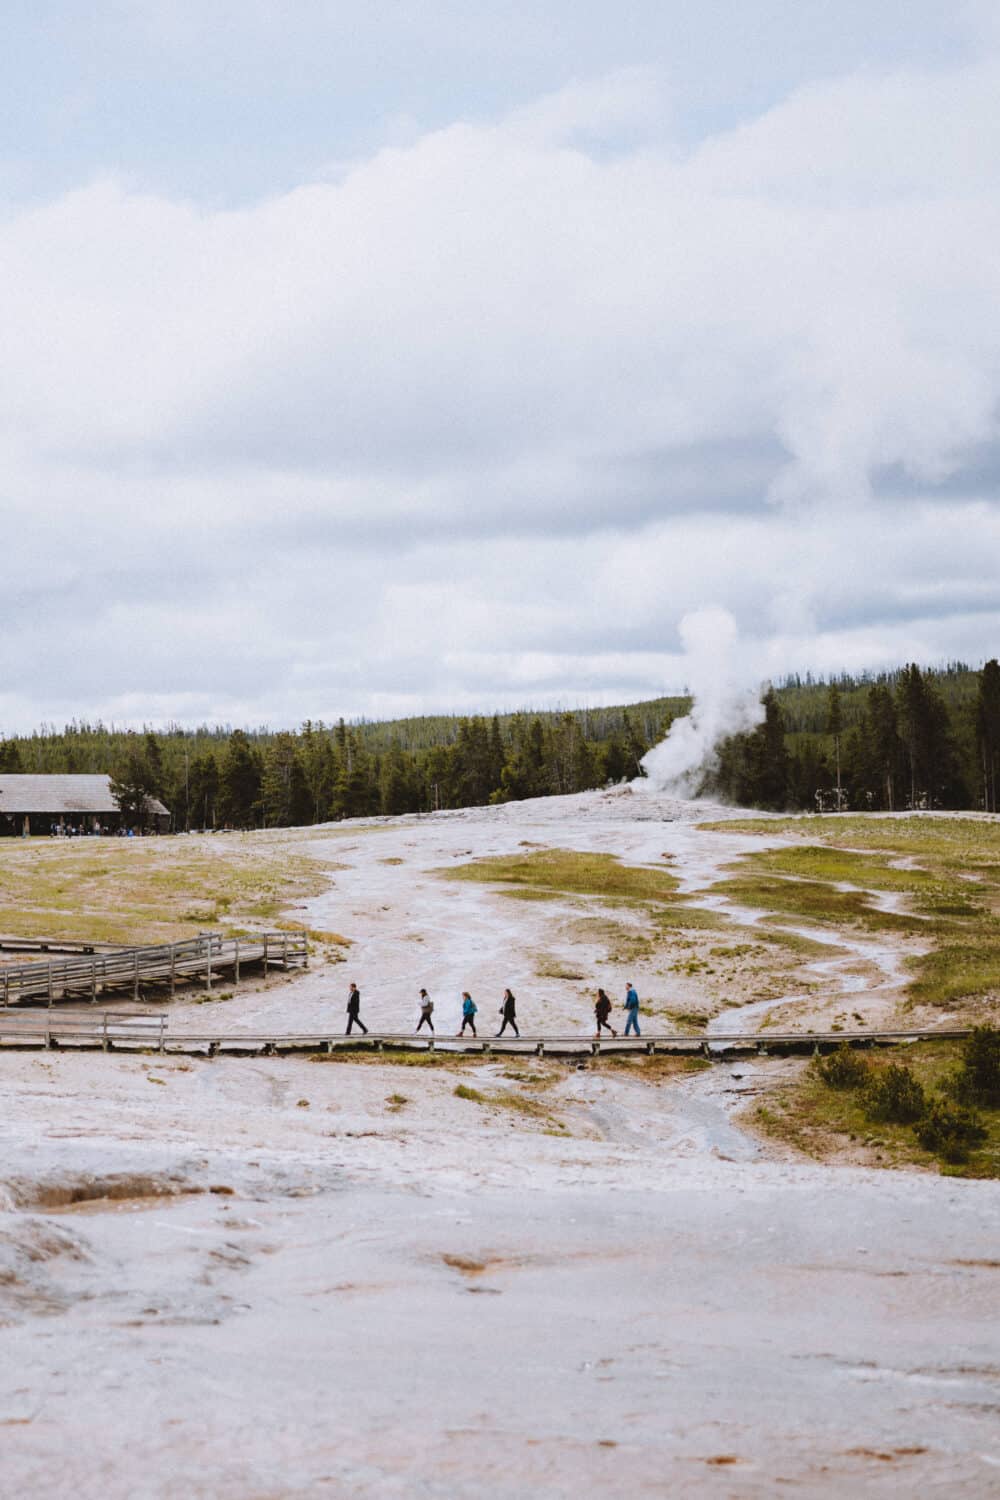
[(951, 879), (956, 970), (554, 874), (824, 1121), (966, 845), (366, 1057), (155, 890), (688, 1022), (824, 862), (462, 1091), (572, 872), (659, 1066), (814, 901), (528, 893), (547, 966)]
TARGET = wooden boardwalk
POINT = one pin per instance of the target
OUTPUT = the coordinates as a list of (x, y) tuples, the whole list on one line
[(200, 960), (144, 1032)]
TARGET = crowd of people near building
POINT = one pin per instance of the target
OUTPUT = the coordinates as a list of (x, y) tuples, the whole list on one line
[(96, 830), (507, 1013)]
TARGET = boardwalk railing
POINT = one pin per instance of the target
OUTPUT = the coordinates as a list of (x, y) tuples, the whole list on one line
[(28, 1028), (136, 1032), (198, 960)]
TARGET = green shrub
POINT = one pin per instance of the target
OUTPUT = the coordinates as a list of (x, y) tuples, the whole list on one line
[(977, 1080), (843, 1069), (895, 1095), (950, 1130)]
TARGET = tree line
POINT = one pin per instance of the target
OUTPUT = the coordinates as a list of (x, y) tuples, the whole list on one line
[(242, 779), (908, 739)]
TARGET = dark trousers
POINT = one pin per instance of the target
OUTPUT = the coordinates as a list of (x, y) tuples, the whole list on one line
[(508, 1021), (604, 1026), (353, 1016), (468, 1021), (425, 1017)]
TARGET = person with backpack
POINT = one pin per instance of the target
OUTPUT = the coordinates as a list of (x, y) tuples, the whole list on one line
[(426, 1010), (354, 1010), (507, 1010), (632, 1006), (469, 1009), (602, 1010)]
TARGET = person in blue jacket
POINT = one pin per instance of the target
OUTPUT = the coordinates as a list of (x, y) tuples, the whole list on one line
[(632, 1006), (468, 1013)]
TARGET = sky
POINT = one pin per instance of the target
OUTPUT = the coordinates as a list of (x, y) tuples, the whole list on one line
[(372, 359)]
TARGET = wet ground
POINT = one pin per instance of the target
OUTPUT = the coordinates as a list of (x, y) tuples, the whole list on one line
[(270, 1277)]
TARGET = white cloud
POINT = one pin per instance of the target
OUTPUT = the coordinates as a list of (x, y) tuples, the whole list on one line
[(494, 411)]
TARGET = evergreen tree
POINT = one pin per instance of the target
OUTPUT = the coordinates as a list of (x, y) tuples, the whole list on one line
[(635, 746), (135, 780), (10, 757), (616, 760), (835, 727), (988, 730), (284, 793), (884, 739), (203, 789), (239, 782)]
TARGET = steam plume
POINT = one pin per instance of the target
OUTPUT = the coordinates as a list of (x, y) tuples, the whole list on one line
[(723, 704)]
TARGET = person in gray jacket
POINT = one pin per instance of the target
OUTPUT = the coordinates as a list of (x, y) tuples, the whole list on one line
[(426, 1010)]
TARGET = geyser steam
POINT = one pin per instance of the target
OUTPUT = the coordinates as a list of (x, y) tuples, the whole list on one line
[(723, 704)]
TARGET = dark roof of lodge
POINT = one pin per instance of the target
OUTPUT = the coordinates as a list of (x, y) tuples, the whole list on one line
[(62, 794)]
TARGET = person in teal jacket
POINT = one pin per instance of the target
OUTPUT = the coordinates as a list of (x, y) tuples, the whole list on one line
[(632, 1006), (468, 1013)]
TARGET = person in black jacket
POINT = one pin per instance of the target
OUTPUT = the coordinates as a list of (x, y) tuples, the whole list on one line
[(602, 1011), (354, 1010), (507, 1011)]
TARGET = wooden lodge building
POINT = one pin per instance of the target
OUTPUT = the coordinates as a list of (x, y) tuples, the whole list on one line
[(66, 804)]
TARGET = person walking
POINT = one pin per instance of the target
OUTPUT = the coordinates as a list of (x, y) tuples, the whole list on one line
[(354, 1010), (469, 1009), (602, 1011), (632, 1006), (426, 1010), (508, 1010)]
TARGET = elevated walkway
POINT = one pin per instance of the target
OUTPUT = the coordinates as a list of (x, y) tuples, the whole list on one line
[(200, 960), (144, 1032)]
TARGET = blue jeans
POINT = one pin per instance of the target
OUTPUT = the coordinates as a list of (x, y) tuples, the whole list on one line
[(632, 1024)]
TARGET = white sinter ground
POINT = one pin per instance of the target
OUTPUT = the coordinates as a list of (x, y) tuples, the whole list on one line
[(624, 1294)]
